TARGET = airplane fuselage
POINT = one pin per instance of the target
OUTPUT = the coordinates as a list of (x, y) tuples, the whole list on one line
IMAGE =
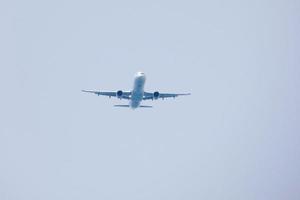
[(138, 90)]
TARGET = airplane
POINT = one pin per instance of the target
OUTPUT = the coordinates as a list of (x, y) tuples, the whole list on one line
[(137, 95)]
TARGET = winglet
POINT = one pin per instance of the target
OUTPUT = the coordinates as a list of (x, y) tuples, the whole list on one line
[(183, 94), (89, 91)]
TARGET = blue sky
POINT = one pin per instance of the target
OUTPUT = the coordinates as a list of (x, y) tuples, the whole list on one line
[(236, 137)]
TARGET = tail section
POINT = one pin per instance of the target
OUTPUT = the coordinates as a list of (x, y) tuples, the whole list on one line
[(127, 106), (124, 106), (146, 106)]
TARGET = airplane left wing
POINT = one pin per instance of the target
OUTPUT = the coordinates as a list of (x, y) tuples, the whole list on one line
[(156, 95), (124, 95)]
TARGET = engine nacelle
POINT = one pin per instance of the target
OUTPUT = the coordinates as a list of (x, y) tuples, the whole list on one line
[(119, 94), (156, 95)]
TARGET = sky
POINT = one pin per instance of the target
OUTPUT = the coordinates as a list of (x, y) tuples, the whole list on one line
[(236, 136)]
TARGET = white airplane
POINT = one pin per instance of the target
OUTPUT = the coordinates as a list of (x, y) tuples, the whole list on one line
[(137, 95)]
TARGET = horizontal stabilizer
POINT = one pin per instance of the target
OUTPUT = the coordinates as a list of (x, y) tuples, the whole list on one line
[(127, 106), (146, 106)]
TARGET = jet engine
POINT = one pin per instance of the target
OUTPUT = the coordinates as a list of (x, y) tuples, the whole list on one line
[(119, 94), (156, 95)]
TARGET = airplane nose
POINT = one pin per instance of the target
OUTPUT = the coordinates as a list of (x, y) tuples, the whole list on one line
[(140, 74)]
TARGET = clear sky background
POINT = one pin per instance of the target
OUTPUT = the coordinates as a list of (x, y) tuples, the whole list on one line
[(236, 137)]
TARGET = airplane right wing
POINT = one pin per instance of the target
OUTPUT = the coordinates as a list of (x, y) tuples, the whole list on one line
[(119, 94)]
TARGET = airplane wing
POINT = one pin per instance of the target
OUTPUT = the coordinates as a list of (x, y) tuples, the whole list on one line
[(125, 95), (149, 95)]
